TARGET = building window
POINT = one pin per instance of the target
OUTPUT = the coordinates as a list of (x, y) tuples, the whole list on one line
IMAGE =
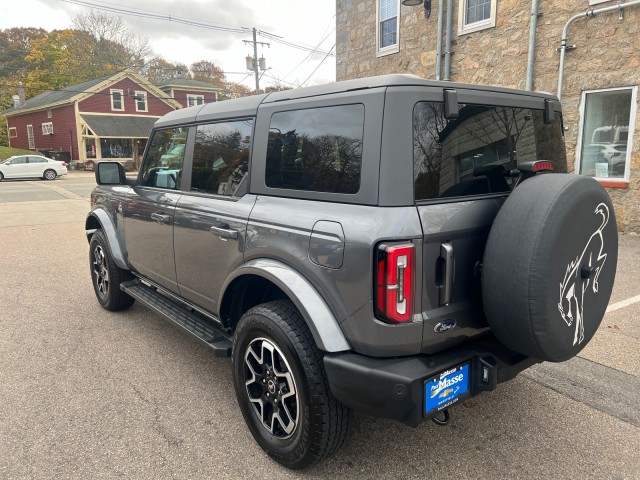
[(193, 100), (387, 30), (49, 113), (116, 100), (47, 128), (30, 137), (141, 101), (607, 122), (13, 132), (474, 15), (116, 148)]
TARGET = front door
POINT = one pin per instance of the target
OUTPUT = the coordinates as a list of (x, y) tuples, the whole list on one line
[(211, 218), (149, 210)]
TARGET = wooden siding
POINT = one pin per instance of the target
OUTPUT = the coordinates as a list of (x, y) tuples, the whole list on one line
[(101, 101), (181, 95), (64, 137)]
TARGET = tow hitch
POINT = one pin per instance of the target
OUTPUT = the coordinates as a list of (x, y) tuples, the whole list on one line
[(444, 420)]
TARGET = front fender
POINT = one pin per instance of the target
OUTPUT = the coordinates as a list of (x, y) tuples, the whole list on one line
[(106, 224), (321, 322)]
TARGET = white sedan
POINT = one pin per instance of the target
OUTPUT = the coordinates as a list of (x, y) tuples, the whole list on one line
[(31, 166)]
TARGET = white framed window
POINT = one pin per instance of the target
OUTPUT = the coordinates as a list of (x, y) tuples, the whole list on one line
[(474, 15), (49, 113), (47, 128), (30, 137), (141, 101), (387, 29), (193, 100), (117, 101), (605, 138), (13, 132)]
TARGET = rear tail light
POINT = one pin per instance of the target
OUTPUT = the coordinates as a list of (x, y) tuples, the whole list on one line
[(64, 164), (541, 166), (395, 282)]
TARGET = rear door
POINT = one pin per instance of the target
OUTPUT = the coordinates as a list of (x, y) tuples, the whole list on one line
[(37, 166), (211, 217), (150, 207)]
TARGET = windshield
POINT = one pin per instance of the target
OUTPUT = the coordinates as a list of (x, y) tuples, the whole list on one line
[(474, 153)]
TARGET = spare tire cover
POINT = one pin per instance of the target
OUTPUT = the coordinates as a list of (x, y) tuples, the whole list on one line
[(549, 265)]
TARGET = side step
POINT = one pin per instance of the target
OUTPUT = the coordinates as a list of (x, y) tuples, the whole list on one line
[(213, 337)]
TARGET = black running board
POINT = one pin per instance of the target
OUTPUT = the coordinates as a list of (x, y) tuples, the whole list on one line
[(213, 337)]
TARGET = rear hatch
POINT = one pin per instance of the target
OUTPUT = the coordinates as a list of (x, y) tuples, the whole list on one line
[(462, 177)]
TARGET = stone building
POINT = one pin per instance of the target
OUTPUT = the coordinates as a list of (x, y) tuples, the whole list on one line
[(491, 43)]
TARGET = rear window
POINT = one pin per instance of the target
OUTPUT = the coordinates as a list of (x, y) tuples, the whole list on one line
[(472, 154), (316, 149)]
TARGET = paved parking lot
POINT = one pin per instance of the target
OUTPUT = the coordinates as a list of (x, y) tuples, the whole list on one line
[(86, 393)]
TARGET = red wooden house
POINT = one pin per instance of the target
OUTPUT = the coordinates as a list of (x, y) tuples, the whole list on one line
[(109, 118), (189, 92)]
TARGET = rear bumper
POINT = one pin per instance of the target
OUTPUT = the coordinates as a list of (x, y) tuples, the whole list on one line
[(394, 387)]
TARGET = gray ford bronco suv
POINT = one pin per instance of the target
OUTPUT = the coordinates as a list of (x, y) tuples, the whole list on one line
[(389, 245)]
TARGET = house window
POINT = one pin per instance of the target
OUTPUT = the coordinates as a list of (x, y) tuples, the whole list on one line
[(47, 128), (141, 101), (13, 132), (193, 100), (474, 15), (49, 113), (387, 31), (116, 100), (116, 147), (607, 121), (30, 137)]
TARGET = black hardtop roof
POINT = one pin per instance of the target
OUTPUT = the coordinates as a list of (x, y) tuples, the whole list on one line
[(248, 106)]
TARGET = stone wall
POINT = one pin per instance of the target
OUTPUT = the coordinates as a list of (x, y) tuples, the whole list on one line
[(607, 55)]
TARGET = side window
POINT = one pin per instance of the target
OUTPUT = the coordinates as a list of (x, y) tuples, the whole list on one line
[(36, 160), (162, 166), (473, 154), (19, 161), (221, 156), (317, 149)]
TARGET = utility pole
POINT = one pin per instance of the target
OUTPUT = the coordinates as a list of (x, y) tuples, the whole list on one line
[(254, 65)]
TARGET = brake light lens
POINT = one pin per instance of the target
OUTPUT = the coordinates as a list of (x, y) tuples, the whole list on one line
[(541, 166), (64, 164), (395, 282)]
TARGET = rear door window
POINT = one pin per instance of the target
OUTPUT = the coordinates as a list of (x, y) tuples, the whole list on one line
[(473, 154), (316, 149)]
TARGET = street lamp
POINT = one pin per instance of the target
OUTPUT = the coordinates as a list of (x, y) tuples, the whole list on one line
[(413, 3)]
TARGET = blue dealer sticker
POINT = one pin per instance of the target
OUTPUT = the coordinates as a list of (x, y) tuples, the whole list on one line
[(447, 388)]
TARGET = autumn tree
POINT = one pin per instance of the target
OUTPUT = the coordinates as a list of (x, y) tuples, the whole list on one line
[(207, 71), (158, 69)]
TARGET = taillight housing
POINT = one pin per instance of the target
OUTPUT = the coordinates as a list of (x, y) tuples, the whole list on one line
[(395, 272), (64, 164)]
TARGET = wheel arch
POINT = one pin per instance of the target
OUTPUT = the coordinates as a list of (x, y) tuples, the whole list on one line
[(99, 219), (263, 280)]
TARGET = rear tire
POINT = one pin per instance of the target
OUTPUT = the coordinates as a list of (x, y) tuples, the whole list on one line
[(50, 174), (282, 388), (1, 176), (106, 276)]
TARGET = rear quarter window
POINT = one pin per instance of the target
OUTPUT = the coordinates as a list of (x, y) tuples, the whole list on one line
[(472, 154)]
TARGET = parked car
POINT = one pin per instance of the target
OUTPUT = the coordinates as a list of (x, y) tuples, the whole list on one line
[(614, 155), (32, 166), (329, 241)]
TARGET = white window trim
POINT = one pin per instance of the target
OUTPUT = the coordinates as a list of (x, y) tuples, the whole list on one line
[(632, 127), (146, 104), (463, 28), (395, 48), (13, 130), (595, 2), (195, 97), (31, 137), (47, 128), (121, 99)]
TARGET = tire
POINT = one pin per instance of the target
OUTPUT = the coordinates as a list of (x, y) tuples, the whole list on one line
[(49, 174), (1, 176), (106, 276), (274, 354), (549, 266)]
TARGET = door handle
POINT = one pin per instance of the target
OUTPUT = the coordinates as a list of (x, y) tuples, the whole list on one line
[(161, 218), (224, 232), (446, 256)]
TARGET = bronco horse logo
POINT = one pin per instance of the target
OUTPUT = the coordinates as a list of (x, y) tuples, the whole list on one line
[(578, 279)]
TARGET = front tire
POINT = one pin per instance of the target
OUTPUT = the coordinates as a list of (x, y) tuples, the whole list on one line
[(282, 388), (50, 174), (106, 276)]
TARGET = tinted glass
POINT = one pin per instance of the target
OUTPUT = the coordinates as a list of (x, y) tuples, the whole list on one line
[(472, 154), (37, 160), (221, 157), (318, 149), (162, 166), (19, 161)]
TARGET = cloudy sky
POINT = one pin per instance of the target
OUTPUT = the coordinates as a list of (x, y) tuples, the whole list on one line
[(298, 22)]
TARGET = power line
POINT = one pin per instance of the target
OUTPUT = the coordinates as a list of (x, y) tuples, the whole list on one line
[(321, 62), (308, 57)]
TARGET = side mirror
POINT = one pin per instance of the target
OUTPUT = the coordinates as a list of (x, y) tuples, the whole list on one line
[(8, 163), (110, 173)]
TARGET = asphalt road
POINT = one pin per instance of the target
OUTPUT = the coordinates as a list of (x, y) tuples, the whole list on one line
[(85, 393)]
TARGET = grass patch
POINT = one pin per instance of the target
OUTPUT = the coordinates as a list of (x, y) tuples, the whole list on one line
[(6, 152)]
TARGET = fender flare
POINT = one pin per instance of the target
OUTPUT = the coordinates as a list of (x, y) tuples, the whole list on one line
[(109, 230), (321, 322)]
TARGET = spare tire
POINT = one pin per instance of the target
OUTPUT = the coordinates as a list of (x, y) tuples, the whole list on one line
[(549, 265)]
